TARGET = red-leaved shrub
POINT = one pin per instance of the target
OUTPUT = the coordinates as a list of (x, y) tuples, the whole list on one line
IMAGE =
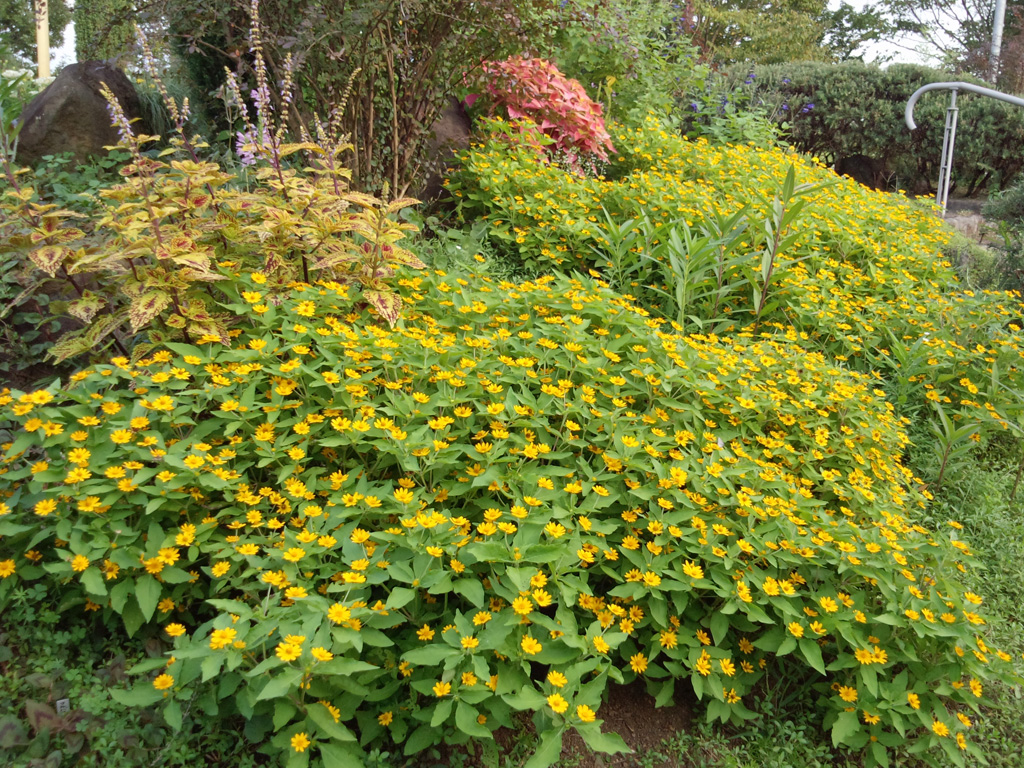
[(537, 90)]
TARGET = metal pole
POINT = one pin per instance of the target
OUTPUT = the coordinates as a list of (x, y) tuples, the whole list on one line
[(43, 37), (997, 36), (948, 141), (949, 136)]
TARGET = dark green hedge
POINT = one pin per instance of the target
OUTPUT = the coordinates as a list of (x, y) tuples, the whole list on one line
[(858, 109)]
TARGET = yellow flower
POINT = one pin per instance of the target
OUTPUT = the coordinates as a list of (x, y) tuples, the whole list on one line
[(557, 703), (530, 645), (914, 700), (7, 568), (321, 654), (163, 682), (288, 651), (175, 629), (79, 563), (585, 713), (442, 689), (385, 718), (300, 742), (557, 679), (338, 613), (220, 638), (522, 605), (693, 570), (638, 663), (848, 694)]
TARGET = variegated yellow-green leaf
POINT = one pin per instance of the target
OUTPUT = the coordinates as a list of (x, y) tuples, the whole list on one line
[(86, 307), (403, 202), (68, 346), (387, 304), (291, 149), (146, 307), (410, 259), (49, 258), (209, 328), (359, 198), (333, 260)]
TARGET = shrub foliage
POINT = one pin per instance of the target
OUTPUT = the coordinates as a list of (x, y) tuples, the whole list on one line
[(858, 109)]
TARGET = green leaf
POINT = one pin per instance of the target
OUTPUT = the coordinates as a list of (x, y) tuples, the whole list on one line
[(400, 597), (172, 714), (343, 667), (211, 665), (147, 592), (597, 740), (471, 589), (812, 652), (280, 685), (319, 714), (142, 695), (441, 712), (845, 728), (430, 655), (466, 722), (341, 754), (719, 627), (420, 739), (92, 580), (132, 618), (548, 749)]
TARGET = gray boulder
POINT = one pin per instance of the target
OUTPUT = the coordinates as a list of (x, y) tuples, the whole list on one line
[(862, 169), (71, 114), (448, 136)]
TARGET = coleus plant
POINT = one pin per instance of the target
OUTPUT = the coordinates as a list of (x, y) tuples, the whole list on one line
[(177, 232), (535, 89)]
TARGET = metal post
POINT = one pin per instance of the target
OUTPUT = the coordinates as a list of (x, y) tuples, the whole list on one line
[(949, 137), (997, 37), (948, 141), (42, 9)]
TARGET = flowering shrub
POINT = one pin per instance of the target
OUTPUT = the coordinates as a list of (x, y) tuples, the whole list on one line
[(862, 279), (537, 90), (352, 534)]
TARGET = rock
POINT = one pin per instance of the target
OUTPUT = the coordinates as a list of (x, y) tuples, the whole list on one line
[(862, 169), (448, 136), (71, 114), (970, 225)]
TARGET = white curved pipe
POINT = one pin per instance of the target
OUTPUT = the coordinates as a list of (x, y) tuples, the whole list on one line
[(908, 114)]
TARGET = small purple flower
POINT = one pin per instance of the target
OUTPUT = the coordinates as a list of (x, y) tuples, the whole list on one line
[(785, 81), (807, 108)]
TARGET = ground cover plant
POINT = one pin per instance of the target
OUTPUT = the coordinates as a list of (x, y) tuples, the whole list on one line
[(367, 507), (620, 529)]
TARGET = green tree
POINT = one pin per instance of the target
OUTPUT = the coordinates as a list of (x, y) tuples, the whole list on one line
[(18, 29), (104, 29), (396, 61), (765, 31)]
